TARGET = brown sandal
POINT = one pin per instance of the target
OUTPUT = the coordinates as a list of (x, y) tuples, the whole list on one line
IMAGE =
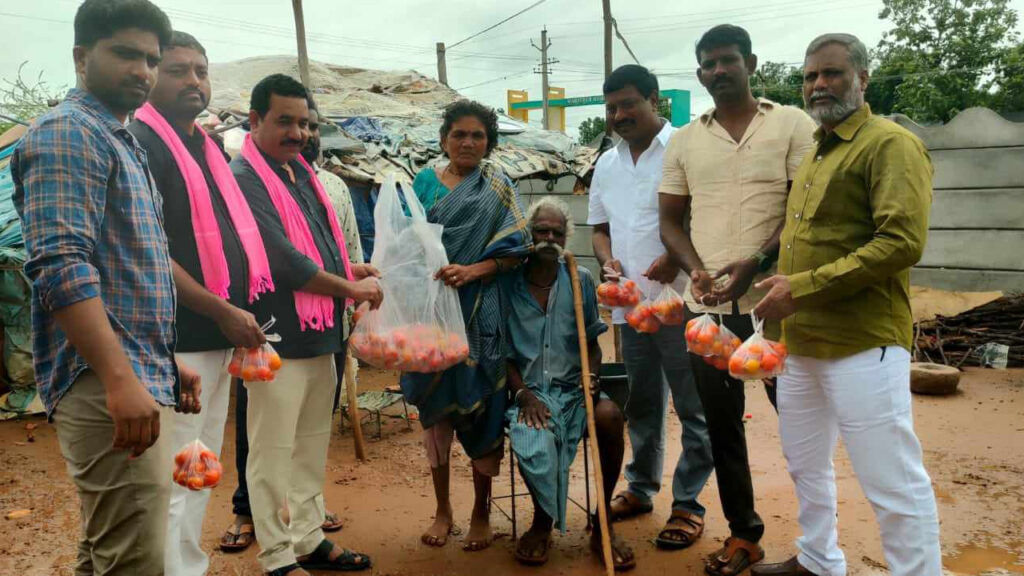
[(238, 537), (733, 558), (681, 531), (627, 505)]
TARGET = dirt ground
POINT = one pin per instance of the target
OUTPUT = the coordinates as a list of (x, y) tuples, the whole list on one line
[(973, 449)]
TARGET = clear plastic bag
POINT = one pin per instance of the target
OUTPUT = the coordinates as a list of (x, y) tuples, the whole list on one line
[(196, 467), (669, 307), (701, 333), (725, 343), (257, 364), (419, 326), (643, 318), (758, 357), (623, 293)]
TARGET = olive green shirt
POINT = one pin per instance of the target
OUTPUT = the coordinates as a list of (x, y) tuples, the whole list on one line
[(856, 221)]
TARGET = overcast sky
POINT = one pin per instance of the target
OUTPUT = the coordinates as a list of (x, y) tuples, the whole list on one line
[(401, 34)]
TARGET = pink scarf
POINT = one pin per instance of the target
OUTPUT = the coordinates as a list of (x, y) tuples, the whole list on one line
[(314, 310), (204, 223)]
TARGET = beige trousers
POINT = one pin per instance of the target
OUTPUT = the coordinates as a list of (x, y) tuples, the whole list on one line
[(123, 501), (289, 424)]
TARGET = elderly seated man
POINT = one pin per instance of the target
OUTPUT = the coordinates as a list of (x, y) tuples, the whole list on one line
[(548, 418)]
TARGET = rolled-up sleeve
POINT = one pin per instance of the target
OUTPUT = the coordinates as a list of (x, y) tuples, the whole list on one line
[(673, 173), (596, 213), (61, 196), (900, 178), (288, 265)]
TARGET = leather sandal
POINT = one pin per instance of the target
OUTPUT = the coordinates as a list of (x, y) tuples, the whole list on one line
[(627, 505), (733, 558), (681, 531), (791, 567)]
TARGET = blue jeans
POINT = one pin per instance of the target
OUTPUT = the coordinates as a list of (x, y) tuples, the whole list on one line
[(656, 364)]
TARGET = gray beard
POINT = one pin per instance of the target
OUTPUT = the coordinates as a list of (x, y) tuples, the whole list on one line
[(837, 111)]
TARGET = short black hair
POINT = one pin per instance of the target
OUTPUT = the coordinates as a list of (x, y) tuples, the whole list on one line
[(635, 75), (181, 39), (724, 35), (99, 19), (485, 114), (280, 84)]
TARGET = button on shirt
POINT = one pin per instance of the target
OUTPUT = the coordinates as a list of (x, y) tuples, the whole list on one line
[(624, 195), (858, 220), (290, 268), (737, 190), (91, 218), (196, 333)]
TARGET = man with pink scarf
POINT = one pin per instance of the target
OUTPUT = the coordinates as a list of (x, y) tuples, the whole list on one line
[(289, 419), (219, 264)]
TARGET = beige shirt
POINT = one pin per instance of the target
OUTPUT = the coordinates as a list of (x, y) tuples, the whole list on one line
[(341, 201), (738, 190)]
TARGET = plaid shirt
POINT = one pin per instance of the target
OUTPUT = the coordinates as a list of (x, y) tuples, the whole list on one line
[(93, 228)]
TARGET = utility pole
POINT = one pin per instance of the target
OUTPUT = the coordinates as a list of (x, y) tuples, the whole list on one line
[(607, 6), (544, 62), (300, 37), (442, 66)]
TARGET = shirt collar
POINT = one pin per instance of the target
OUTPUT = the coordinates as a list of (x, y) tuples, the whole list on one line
[(848, 128), (92, 106), (763, 106), (662, 137), (301, 175)]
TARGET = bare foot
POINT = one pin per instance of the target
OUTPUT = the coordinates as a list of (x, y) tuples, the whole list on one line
[(479, 536), (437, 534), (622, 554)]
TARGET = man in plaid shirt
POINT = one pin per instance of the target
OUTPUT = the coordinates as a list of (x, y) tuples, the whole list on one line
[(103, 298)]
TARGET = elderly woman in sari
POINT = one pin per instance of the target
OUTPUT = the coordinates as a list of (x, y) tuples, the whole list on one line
[(484, 235)]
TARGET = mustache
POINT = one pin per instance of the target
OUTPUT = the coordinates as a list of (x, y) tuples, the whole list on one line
[(822, 95), (190, 91), (291, 142), (624, 123), (546, 245)]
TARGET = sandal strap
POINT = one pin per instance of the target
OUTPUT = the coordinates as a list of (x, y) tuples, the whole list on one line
[(682, 517), (733, 545), (282, 571)]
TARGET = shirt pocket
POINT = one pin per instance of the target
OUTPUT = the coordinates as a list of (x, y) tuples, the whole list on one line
[(764, 161)]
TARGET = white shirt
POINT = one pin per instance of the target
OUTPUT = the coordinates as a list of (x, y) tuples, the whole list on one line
[(625, 196)]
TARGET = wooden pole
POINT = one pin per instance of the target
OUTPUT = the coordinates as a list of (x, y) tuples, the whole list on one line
[(442, 66), (300, 38), (544, 45), (588, 401), (353, 406)]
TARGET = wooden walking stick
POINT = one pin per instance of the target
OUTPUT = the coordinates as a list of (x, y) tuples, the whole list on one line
[(353, 406), (588, 401)]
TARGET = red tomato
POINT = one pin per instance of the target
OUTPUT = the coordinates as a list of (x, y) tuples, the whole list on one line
[(196, 482), (274, 361), (211, 478)]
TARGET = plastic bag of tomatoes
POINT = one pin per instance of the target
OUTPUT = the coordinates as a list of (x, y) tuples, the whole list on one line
[(723, 346), (669, 307), (619, 293), (701, 333), (758, 357), (196, 467), (255, 364), (644, 318), (419, 325)]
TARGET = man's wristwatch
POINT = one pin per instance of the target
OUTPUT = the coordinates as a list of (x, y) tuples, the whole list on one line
[(764, 261)]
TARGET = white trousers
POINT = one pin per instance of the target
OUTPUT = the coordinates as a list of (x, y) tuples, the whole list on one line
[(184, 555), (865, 399), (289, 424)]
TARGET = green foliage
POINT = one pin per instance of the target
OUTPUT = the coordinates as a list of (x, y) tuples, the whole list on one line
[(942, 56), (780, 83), (590, 129), (25, 101)]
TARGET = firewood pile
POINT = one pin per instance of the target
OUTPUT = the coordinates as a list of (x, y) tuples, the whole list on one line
[(956, 340)]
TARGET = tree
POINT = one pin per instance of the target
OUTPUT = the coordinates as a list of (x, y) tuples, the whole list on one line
[(941, 56), (591, 129), (780, 83), (21, 100), (1009, 82)]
